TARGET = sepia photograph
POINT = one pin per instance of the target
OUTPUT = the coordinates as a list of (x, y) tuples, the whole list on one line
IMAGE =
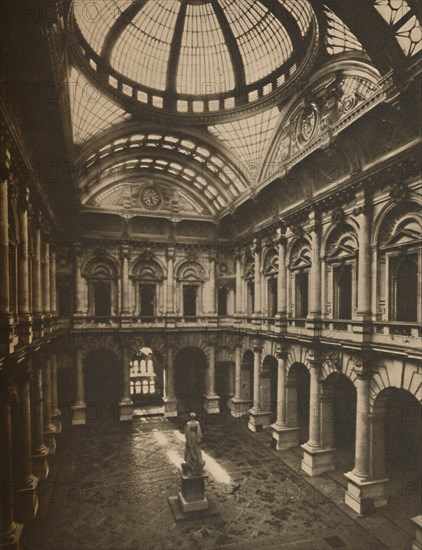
[(210, 274)]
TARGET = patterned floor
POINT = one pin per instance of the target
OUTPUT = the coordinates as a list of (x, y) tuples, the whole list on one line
[(109, 485)]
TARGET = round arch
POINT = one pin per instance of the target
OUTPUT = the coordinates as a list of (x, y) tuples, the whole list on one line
[(190, 364)]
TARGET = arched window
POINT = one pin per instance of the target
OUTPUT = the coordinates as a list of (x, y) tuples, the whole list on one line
[(249, 277), (102, 286), (404, 289), (271, 276), (222, 301), (300, 264), (147, 276), (102, 299), (302, 295), (341, 266), (400, 255), (189, 300)]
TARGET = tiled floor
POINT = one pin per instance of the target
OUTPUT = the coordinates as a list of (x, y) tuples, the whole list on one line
[(109, 485)]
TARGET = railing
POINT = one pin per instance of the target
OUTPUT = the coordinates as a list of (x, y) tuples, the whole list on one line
[(387, 333)]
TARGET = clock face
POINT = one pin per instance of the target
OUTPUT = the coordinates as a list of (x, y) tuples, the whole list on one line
[(151, 197)]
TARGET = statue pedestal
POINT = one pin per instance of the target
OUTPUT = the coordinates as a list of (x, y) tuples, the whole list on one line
[(191, 501)]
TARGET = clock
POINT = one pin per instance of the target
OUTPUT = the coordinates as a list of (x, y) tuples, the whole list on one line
[(151, 196)]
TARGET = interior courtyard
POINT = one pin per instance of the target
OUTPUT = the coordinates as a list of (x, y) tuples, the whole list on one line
[(210, 206)]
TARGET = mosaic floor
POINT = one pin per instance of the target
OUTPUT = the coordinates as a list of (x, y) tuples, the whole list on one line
[(109, 485)]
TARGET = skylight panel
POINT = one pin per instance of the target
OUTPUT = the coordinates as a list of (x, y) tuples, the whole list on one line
[(204, 65), (91, 111), (339, 37), (263, 41), (302, 12), (143, 49), (408, 30), (96, 18), (249, 138)]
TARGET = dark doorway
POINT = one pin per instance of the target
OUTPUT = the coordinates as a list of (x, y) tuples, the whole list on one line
[(222, 301), (102, 299), (103, 386), (342, 392), (298, 384), (246, 389), (147, 300), (343, 288), (403, 433), (189, 300), (272, 297), (302, 287), (190, 370), (405, 289), (64, 295), (270, 370)]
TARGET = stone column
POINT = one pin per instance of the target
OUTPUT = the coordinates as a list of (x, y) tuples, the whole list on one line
[(315, 272), (256, 251), (4, 249), (126, 403), (170, 280), (257, 417), (282, 280), (238, 301), (10, 531), (79, 408), (284, 436), (53, 281), (55, 411), (79, 285), (367, 485), (363, 217), (36, 270), (240, 406), (170, 401), (26, 499), (125, 282), (211, 289), (23, 273), (46, 277), (211, 400), (316, 459), (39, 449), (49, 426)]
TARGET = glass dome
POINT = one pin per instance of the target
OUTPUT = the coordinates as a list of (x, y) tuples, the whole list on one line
[(197, 57)]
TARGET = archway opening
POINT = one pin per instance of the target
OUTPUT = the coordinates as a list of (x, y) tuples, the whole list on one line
[(338, 422), (403, 433), (103, 385), (224, 382), (246, 376), (298, 384), (190, 370), (269, 386)]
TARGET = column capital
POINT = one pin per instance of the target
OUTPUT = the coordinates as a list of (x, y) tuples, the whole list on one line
[(170, 253), (23, 199), (257, 344), (316, 358), (363, 364), (256, 246), (281, 351)]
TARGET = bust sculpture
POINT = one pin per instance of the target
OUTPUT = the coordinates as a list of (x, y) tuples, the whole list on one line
[(194, 464)]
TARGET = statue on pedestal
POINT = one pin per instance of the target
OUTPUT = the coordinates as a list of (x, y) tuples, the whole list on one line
[(194, 464)]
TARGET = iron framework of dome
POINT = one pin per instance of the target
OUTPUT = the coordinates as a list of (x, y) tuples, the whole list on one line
[(197, 59)]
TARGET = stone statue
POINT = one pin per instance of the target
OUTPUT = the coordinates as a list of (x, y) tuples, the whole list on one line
[(193, 455)]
